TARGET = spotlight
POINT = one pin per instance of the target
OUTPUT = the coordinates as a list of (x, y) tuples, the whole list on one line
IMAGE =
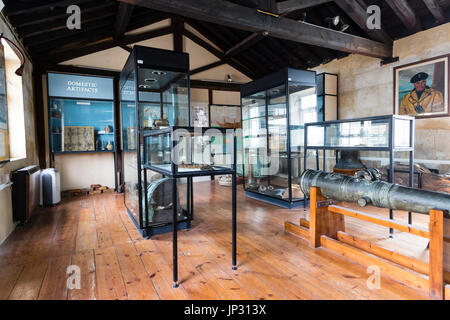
[(229, 79), (332, 21), (336, 23)]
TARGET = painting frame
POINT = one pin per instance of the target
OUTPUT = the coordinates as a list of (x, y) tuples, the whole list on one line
[(4, 146), (415, 68), (81, 139)]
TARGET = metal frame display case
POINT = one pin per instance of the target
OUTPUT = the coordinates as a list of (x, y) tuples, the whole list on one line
[(274, 111), (390, 133), (154, 91), (184, 153), (81, 114)]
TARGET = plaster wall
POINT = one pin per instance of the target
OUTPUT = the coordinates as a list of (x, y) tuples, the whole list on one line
[(367, 89), (7, 224)]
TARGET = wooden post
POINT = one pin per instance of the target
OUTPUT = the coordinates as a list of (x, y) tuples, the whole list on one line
[(322, 221), (436, 264)]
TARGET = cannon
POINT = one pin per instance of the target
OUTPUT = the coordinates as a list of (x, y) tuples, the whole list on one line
[(366, 188)]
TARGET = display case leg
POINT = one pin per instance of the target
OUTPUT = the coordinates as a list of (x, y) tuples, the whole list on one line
[(234, 222), (174, 233)]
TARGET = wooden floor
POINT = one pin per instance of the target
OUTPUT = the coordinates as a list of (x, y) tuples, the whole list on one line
[(95, 234)]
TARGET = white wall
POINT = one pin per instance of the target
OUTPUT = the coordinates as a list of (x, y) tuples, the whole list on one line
[(366, 89), (6, 220)]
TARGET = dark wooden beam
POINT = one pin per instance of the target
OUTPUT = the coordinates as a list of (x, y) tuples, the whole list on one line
[(223, 86), (50, 37), (82, 70), (436, 10), (49, 16), (213, 50), (46, 28), (292, 5), (21, 8), (245, 44), (236, 16), (75, 52), (208, 67), (405, 13), (124, 13), (359, 15), (39, 116), (178, 27)]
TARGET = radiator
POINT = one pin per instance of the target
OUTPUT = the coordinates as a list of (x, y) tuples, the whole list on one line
[(25, 192)]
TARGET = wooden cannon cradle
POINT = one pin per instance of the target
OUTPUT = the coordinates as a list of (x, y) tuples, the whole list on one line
[(326, 229)]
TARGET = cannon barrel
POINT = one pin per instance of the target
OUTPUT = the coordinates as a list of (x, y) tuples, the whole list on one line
[(378, 193)]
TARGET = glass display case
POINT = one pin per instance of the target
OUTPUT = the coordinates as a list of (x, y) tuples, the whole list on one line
[(274, 112), (81, 113), (81, 125), (154, 91), (390, 133), (381, 133), (189, 151)]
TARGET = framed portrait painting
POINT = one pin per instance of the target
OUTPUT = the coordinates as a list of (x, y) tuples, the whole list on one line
[(421, 88)]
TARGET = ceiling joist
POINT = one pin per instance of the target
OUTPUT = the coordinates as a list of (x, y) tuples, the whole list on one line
[(123, 17), (406, 14), (232, 15), (292, 5)]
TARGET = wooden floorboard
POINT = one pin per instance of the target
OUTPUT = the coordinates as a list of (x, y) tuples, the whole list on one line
[(96, 234)]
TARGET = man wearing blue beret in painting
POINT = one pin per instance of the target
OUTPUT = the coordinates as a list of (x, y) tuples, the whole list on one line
[(422, 99)]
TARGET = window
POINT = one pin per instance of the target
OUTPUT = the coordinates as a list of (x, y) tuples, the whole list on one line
[(14, 93)]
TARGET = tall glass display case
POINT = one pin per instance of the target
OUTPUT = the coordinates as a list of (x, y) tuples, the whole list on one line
[(154, 91), (274, 111)]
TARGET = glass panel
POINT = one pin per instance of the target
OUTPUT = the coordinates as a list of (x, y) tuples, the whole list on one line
[(81, 125), (226, 116), (158, 151), (194, 151), (303, 109), (200, 114), (163, 92), (129, 138), (402, 133), (254, 131), (369, 133), (277, 181)]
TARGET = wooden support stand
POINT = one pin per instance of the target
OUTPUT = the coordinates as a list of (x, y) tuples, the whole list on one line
[(326, 228)]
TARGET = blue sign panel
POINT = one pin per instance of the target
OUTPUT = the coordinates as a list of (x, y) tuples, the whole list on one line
[(74, 86)]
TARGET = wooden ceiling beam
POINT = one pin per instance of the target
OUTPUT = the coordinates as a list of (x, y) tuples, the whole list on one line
[(49, 16), (232, 15), (61, 24), (405, 13), (178, 27), (213, 50), (75, 51), (208, 67), (222, 86), (244, 44), (292, 5), (436, 10), (124, 13), (359, 15), (20, 8)]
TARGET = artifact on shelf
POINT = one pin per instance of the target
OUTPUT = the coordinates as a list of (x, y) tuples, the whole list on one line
[(79, 139), (109, 146)]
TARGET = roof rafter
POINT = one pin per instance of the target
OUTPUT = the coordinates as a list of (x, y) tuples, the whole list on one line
[(230, 14)]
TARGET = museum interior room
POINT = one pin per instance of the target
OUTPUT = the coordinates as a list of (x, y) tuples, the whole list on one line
[(224, 150)]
